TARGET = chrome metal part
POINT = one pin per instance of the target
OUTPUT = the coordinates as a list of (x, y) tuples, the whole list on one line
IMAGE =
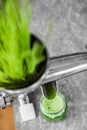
[(23, 99), (8, 101), (57, 68), (2, 102), (26, 109), (66, 65), (5, 101)]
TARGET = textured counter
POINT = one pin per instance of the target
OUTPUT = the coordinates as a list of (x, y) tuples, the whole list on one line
[(69, 34)]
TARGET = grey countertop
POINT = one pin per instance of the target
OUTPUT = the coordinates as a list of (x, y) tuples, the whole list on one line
[(69, 35)]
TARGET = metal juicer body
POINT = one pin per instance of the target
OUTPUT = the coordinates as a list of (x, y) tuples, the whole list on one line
[(57, 68)]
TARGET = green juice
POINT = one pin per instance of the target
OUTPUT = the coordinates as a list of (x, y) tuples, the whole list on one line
[(53, 109)]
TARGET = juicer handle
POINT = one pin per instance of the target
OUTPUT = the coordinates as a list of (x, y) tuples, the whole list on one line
[(66, 65)]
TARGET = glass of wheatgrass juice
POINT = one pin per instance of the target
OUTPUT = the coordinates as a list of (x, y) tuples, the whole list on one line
[(53, 104)]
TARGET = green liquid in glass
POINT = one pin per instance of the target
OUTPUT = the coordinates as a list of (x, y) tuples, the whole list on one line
[(53, 109)]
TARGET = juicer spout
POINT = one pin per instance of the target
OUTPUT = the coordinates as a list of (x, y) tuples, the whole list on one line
[(66, 65)]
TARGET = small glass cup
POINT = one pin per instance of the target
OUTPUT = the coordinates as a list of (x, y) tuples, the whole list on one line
[(52, 108)]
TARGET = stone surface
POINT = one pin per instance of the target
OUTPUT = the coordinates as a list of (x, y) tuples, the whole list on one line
[(69, 35)]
